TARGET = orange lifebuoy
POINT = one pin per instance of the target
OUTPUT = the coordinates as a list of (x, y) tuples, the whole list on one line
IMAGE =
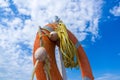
[(50, 48)]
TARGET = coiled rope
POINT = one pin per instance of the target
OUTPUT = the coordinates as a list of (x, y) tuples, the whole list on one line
[(67, 47)]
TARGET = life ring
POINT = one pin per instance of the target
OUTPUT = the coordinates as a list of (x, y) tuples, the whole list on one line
[(49, 45)]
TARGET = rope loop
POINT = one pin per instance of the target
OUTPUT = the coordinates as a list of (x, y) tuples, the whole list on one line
[(66, 47)]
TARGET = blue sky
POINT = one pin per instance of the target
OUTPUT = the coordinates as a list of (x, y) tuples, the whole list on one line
[(96, 24)]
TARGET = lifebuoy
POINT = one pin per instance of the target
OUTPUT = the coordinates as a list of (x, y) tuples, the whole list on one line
[(49, 45)]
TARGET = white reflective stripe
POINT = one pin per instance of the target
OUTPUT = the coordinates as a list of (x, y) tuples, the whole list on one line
[(77, 44), (61, 66), (86, 78), (48, 28)]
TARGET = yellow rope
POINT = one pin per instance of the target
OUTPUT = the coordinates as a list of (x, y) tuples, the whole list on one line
[(47, 63), (47, 69), (67, 47), (36, 63)]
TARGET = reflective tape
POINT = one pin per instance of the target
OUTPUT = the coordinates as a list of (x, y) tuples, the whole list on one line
[(48, 28), (77, 44)]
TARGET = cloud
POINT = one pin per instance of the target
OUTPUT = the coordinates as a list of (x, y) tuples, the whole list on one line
[(4, 3), (15, 53), (19, 21), (115, 10), (76, 14), (108, 76)]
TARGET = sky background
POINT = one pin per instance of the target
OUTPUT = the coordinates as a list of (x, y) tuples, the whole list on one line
[(96, 24)]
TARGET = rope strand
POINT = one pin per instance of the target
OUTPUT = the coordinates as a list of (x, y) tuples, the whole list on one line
[(67, 47)]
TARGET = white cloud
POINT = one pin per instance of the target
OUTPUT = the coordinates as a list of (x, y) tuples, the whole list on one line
[(116, 10), (73, 12), (17, 34), (4, 3), (24, 7), (16, 60), (108, 76)]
